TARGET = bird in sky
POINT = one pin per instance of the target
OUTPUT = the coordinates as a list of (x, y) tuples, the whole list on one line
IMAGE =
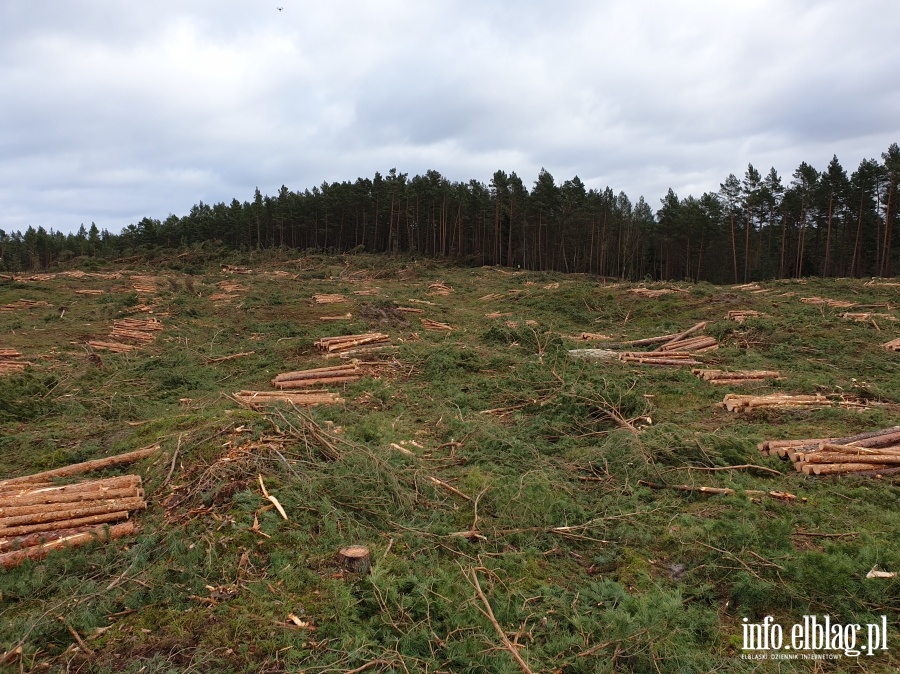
[(279, 8)]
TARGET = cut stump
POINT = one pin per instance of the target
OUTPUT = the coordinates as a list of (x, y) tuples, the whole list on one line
[(355, 558)]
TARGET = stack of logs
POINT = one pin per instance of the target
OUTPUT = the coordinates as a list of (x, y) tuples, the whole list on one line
[(676, 350), (893, 345), (834, 304), (439, 288), (692, 345), (741, 315), (338, 374), (345, 343), (865, 316), (873, 453), (509, 294), (37, 516), (329, 299), (428, 324), (145, 285), (24, 304), (142, 331), (737, 377), (11, 361), (742, 403), (651, 294)]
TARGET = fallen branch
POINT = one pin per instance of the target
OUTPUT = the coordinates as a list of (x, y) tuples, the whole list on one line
[(489, 614)]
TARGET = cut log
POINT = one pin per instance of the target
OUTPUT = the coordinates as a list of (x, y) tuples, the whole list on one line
[(893, 345), (329, 299), (691, 344), (837, 468), (16, 490), (355, 558), (435, 325), (52, 499), (857, 449), (838, 458), (345, 342), (738, 403), (114, 347), (305, 398), (321, 381), (681, 335), (39, 514), (316, 373), (85, 467), (594, 354), (25, 529), (16, 557)]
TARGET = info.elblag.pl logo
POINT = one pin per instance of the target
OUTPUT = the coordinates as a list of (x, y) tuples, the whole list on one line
[(815, 637)]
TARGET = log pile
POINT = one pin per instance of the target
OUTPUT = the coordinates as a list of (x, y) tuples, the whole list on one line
[(737, 377), (329, 299), (833, 304), (338, 374), (428, 324), (890, 284), (893, 345), (20, 305), (742, 315), (692, 345), (872, 453), (659, 359), (136, 329), (742, 403), (37, 516), (347, 342), (112, 347), (77, 273), (230, 287), (146, 285), (11, 362), (651, 294), (439, 288), (865, 316), (665, 340), (231, 269), (140, 330), (254, 399), (748, 286), (509, 294)]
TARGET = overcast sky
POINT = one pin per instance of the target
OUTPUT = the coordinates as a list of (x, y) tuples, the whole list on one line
[(111, 111)]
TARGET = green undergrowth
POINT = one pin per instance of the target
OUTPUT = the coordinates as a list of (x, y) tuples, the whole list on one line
[(543, 480)]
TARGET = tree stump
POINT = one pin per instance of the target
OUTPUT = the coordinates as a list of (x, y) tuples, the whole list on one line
[(355, 558)]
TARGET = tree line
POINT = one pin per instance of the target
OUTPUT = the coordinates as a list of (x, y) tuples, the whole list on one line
[(816, 223)]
